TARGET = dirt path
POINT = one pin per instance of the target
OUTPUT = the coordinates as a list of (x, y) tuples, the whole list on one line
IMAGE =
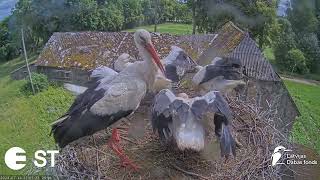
[(304, 81)]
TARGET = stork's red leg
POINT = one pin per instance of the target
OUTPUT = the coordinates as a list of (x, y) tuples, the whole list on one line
[(114, 144)]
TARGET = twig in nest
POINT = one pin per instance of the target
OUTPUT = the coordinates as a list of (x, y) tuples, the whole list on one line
[(97, 156), (127, 139), (108, 154), (189, 173)]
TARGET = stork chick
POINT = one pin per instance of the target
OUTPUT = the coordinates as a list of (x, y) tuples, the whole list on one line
[(223, 75), (180, 120)]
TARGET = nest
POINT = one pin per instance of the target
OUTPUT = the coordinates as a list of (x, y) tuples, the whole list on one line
[(253, 129)]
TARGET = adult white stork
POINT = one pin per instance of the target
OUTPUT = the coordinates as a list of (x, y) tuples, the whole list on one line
[(180, 120), (97, 74), (122, 62), (223, 75), (111, 99), (176, 64)]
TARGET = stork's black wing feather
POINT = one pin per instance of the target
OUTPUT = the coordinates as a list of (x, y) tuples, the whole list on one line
[(213, 71), (222, 121), (199, 107), (177, 63), (161, 114), (228, 62), (79, 121)]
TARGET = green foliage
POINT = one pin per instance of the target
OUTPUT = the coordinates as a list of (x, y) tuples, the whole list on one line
[(40, 83), (172, 28), (25, 120), (296, 61), (303, 17), (259, 16), (283, 44), (7, 49), (309, 45), (132, 11), (306, 128), (110, 19)]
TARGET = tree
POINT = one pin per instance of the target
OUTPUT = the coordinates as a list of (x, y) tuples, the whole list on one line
[(296, 62), (110, 18), (132, 11), (309, 45), (284, 43), (258, 16), (267, 30), (303, 17), (162, 11), (7, 49), (86, 15)]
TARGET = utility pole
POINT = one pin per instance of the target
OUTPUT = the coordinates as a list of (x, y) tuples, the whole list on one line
[(194, 16), (26, 58)]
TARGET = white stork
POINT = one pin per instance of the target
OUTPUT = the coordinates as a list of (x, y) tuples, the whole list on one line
[(122, 62), (101, 72), (223, 75), (176, 64), (180, 120), (110, 99)]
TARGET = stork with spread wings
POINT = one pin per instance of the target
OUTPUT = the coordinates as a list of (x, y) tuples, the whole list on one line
[(179, 119)]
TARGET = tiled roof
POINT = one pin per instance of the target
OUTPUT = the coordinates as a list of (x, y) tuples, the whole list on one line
[(254, 62), (229, 37), (226, 39), (230, 41), (88, 50)]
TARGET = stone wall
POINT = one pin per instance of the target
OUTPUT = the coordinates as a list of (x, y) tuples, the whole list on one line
[(22, 72), (70, 75), (272, 95)]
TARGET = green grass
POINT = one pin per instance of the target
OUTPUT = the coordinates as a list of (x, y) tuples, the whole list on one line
[(306, 129), (172, 28), (268, 52), (25, 121)]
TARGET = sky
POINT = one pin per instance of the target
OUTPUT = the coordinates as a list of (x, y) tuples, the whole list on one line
[(283, 6), (5, 8)]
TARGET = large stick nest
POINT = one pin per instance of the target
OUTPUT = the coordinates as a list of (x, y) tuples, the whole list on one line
[(253, 128)]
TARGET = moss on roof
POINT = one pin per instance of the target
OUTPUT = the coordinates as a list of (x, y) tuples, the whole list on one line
[(87, 50)]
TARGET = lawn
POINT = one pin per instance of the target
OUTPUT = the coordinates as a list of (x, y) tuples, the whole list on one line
[(306, 129), (25, 121), (269, 54), (172, 28)]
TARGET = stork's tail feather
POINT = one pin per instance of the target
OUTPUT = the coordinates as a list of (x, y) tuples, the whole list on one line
[(227, 142), (59, 128)]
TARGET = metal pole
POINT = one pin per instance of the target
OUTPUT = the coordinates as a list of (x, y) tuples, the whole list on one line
[(26, 58)]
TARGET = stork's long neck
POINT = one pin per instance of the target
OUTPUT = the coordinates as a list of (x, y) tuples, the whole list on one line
[(149, 68)]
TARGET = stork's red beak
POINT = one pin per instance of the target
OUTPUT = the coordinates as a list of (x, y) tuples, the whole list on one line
[(155, 56)]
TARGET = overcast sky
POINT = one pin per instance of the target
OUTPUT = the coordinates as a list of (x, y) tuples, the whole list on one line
[(5, 7)]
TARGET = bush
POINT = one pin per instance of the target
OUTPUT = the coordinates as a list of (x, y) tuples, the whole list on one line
[(296, 61), (40, 83)]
